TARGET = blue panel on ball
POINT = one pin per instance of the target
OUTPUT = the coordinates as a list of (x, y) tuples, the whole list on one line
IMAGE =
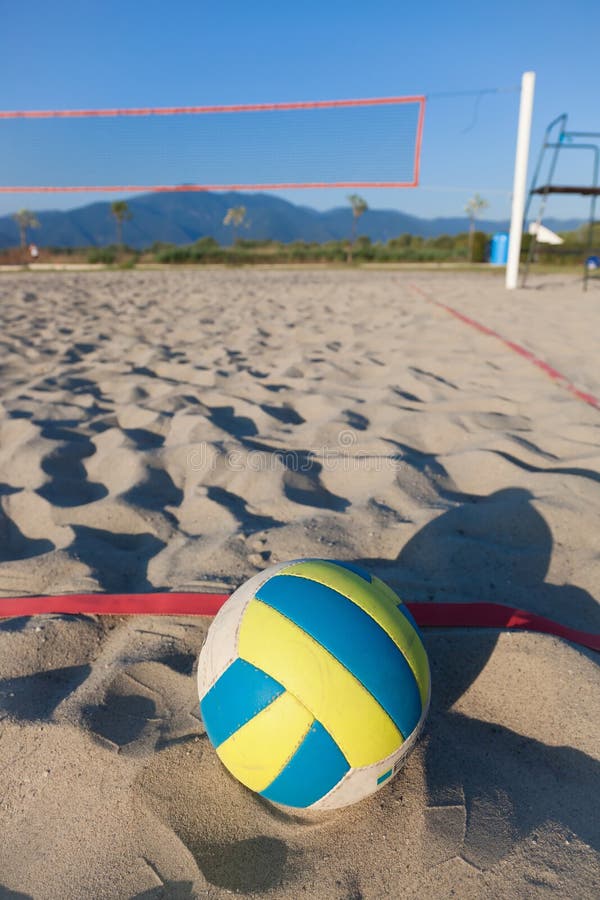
[(354, 638), (314, 769), (353, 567), (238, 695), (403, 608)]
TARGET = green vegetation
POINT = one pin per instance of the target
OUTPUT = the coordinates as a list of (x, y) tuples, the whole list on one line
[(105, 255), (479, 242), (122, 213), (235, 217), (573, 252), (404, 248), (25, 219), (359, 207), (475, 205)]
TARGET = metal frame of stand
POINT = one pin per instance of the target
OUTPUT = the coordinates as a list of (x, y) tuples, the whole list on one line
[(553, 142)]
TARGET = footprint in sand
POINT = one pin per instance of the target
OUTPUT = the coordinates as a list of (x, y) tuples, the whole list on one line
[(249, 522), (248, 859), (356, 420), (69, 484), (119, 561), (144, 698), (33, 698), (15, 545), (285, 413), (424, 375), (302, 483)]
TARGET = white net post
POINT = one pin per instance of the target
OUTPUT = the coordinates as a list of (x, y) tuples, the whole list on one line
[(520, 179)]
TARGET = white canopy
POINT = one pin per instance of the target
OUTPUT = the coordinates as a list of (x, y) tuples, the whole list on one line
[(544, 235)]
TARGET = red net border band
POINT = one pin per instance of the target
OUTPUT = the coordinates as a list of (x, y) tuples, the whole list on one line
[(204, 110), (195, 110)]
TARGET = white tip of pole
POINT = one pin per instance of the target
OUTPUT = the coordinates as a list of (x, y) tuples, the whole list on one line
[(520, 179)]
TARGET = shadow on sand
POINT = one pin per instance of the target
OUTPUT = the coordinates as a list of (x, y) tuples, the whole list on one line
[(495, 548)]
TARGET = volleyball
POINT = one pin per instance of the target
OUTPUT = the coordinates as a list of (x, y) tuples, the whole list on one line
[(314, 684)]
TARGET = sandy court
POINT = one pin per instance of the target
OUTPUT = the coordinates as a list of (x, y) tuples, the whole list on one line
[(182, 430)]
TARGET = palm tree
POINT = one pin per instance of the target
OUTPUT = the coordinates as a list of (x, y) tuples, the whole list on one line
[(25, 219), (359, 206), (235, 217), (122, 213), (475, 205)]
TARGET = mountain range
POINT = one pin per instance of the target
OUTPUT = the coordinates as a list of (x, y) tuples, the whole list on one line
[(181, 218)]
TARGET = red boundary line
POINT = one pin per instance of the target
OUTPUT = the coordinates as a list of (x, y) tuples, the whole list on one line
[(199, 110), (429, 615), (549, 370)]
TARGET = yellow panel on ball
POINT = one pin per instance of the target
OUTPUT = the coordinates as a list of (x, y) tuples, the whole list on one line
[(259, 750), (361, 728)]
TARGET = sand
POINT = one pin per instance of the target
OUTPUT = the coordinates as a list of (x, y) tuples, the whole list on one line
[(184, 429)]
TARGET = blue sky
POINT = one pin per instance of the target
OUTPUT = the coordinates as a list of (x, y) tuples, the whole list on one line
[(92, 54)]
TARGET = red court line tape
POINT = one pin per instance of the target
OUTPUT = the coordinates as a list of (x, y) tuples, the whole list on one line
[(175, 604), (549, 370), (428, 615), (496, 615), (200, 110)]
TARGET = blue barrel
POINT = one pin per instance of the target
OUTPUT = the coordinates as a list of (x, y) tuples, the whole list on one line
[(499, 249)]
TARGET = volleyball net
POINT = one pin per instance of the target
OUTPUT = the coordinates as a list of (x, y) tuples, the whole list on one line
[(365, 143)]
